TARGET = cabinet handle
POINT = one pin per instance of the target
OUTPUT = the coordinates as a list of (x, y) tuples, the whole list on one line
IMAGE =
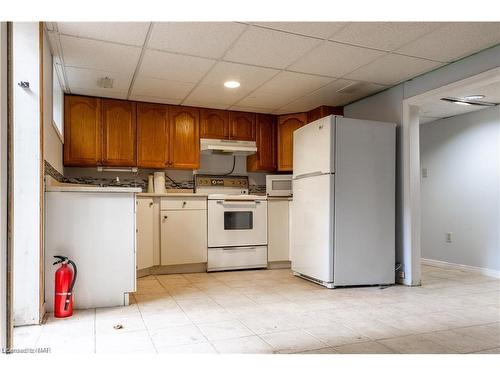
[(165, 217), (150, 204), (183, 204)]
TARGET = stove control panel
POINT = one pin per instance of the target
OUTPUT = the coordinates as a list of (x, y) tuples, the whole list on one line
[(240, 182)]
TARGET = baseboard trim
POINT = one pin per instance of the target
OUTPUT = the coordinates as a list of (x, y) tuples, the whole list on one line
[(482, 271), (282, 264), (174, 269)]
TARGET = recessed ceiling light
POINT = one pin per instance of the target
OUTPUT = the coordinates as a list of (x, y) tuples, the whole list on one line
[(232, 84), (474, 97)]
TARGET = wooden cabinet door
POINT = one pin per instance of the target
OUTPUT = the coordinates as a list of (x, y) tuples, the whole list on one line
[(184, 145), (265, 158), (214, 123), (119, 133), (145, 233), (82, 131), (183, 237), (287, 124), (323, 111), (242, 126), (152, 135)]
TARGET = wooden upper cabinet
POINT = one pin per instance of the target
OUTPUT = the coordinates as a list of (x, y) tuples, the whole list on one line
[(184, 145), (265, 158), (82, 131), (214, 123), (152, 135), (323, 111), (119, 133), (287, 124), (242, 126)]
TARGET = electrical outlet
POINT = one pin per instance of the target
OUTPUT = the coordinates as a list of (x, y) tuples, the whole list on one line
[(401, 274), (448, 237), (424, 173)]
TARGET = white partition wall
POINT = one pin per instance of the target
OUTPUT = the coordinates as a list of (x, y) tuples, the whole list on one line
[(27, 171), (3, 185)]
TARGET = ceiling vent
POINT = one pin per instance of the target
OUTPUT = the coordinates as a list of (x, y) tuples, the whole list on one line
[(468, 102), (106, 83)]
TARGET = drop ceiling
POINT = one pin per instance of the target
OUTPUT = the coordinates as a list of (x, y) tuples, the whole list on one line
[(283, 67), (436, 109)]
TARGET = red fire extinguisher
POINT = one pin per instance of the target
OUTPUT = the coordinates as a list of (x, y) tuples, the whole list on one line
[(64, 282)]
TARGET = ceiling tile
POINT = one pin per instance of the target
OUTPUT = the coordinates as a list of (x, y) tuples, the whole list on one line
[(89, 78), (440, 109), (249, 109), (335, 59), (174, 67), (455, 40), (158, 88), (315, 29), (133, 33), (206, 39), (391, 69), (292, 85), (329, 95), (216, 94), (93, 54), (100, 92), (248, 76), (387, 36), (152, 99), (269, 48), (263, 99), (491, 91)]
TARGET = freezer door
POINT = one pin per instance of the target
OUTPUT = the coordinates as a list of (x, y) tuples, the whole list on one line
[(312, 225), (313, 148), (364, 203)]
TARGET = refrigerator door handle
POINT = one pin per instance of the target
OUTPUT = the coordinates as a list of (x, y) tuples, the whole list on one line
[(310, 174)]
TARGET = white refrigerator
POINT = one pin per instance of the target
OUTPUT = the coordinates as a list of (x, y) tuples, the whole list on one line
[(343, 230)]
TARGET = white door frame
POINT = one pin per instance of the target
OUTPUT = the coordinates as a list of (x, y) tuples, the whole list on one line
[(410, 153)]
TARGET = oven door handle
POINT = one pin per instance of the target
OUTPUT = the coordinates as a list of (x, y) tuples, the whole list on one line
[(237, 201), (238, 248)]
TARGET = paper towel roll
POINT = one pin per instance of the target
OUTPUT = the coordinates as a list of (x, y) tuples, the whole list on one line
[(159, 182), (151, 184)]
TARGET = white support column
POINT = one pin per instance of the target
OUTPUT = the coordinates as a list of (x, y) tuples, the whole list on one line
[(410, 153), (3, 185), (27, 156)]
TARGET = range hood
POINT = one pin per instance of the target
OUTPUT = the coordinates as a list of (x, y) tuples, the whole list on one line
[(227, 147)]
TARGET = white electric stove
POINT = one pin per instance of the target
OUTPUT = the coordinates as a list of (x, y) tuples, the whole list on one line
[(237, 223)]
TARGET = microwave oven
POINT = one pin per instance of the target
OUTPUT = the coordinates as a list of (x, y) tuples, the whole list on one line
[(279, 185)]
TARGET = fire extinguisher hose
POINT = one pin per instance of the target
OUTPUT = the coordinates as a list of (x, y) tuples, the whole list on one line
[(70, 291)]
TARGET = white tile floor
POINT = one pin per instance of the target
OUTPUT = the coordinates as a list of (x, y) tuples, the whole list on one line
[(272, 311)]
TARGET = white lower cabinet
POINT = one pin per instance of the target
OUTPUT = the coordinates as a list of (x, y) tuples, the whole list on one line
[(278, 221), (183, 231), (145, 239)]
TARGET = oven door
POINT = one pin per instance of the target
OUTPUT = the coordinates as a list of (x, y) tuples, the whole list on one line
[(234, 222)]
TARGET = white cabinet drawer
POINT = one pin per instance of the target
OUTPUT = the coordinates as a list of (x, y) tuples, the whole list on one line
[(232, 258), (183, 203)]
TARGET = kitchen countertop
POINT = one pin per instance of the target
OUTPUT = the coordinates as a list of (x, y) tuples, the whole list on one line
[(55, 186), (167, 194)]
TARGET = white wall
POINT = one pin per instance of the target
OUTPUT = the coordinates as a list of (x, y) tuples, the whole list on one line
[(461, 194), (53, 146), (388, 106), (3, 185), (26, 174)]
